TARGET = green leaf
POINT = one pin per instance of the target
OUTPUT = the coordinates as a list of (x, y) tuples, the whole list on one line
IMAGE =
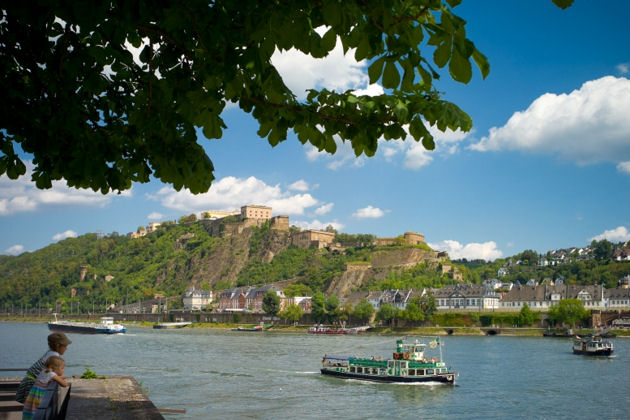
[(563, 4), (417, 129), (376, 69), (329, 40), (442, 53), (391, 77), (401, 111), (213, 125), (364, 49), (460, 68), (482, 62)]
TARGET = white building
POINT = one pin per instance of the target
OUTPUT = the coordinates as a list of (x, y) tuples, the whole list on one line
[(195, 299)]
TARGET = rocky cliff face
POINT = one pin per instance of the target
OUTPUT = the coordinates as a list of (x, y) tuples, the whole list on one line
[(238, 245), (402, 257)]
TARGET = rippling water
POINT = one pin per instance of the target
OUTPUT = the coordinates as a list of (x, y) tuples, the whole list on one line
[(241, 375)]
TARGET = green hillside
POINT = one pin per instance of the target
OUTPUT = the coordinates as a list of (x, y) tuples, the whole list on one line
[(116, 269)]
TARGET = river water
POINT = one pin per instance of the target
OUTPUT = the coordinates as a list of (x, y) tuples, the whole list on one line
[(245, 375)]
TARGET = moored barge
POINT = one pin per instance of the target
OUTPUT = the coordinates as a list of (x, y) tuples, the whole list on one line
[(106, 326), (408, 365)]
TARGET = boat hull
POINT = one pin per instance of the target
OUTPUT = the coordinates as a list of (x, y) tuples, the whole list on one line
[(603, 352), (446, 378), (83, 329), (171, 325)]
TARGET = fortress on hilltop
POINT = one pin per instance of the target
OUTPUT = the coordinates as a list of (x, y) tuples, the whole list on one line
[(227, 223)]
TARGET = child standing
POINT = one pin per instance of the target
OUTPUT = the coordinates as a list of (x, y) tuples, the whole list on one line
[(58, 344), (46, 380)]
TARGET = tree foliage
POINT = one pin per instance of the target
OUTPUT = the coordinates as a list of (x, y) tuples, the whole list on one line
[(292, 313), (388, 313), (568, 311), (128, 118), (363, 311), (271, 303), (526, 316)]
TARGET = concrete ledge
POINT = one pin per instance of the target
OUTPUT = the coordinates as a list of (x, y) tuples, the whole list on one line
[(116, 397)]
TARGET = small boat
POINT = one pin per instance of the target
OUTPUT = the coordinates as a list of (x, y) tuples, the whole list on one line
[(408, 365), (171, 325), (592, 345), (254, 328), (326, 330), (106, 326), (559, 332)]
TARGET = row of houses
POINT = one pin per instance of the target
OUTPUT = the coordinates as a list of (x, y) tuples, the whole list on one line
[(484, 297), (239, 299), (454, 297)]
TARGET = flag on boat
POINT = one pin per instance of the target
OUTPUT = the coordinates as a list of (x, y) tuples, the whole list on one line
[(433, 344)]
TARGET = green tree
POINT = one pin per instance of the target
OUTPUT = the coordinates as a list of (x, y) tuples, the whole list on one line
[(529, 257), (133, 120), (602, 250), (292, 313), (413, 312), (526, 316), (568, 311), (271, 303), (387, 312), (363, 311), (318, 310), (332, 308), (428, 305), (296, 289)]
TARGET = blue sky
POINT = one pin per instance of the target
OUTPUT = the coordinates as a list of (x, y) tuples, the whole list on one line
[(546, 166)]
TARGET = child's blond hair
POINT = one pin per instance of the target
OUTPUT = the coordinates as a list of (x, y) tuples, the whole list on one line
[(54, 362)]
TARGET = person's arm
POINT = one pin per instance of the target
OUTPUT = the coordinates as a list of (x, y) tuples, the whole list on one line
[(61, 380)]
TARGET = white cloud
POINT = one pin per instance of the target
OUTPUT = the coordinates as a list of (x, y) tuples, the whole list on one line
[(21, 195), (317, 225), (155, 216), (410, 153), (230, 193), (369, 212), (14, 250), (618, 234), (487, 251), (344, 156), (64, 235), (623, 68), (300, 185), (624, 167), (417, 156), (372, 90), (588, 125), (337, 71), (326, 208)]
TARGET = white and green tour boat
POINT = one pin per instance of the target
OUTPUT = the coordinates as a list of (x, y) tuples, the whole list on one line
[(408, 364)]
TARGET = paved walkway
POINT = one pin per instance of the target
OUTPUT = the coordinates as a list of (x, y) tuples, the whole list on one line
[(117, 397)]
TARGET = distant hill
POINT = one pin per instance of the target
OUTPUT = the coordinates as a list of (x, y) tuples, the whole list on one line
[(100, 271)]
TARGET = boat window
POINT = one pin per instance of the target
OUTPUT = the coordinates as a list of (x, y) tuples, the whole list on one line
[(352, 369), (420, 372), (430, 371), (412, 372)]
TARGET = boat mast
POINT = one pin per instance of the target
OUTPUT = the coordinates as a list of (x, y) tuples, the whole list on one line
[(440, 352)]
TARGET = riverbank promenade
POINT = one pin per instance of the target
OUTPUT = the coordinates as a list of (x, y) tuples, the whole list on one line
[(116, 397)]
